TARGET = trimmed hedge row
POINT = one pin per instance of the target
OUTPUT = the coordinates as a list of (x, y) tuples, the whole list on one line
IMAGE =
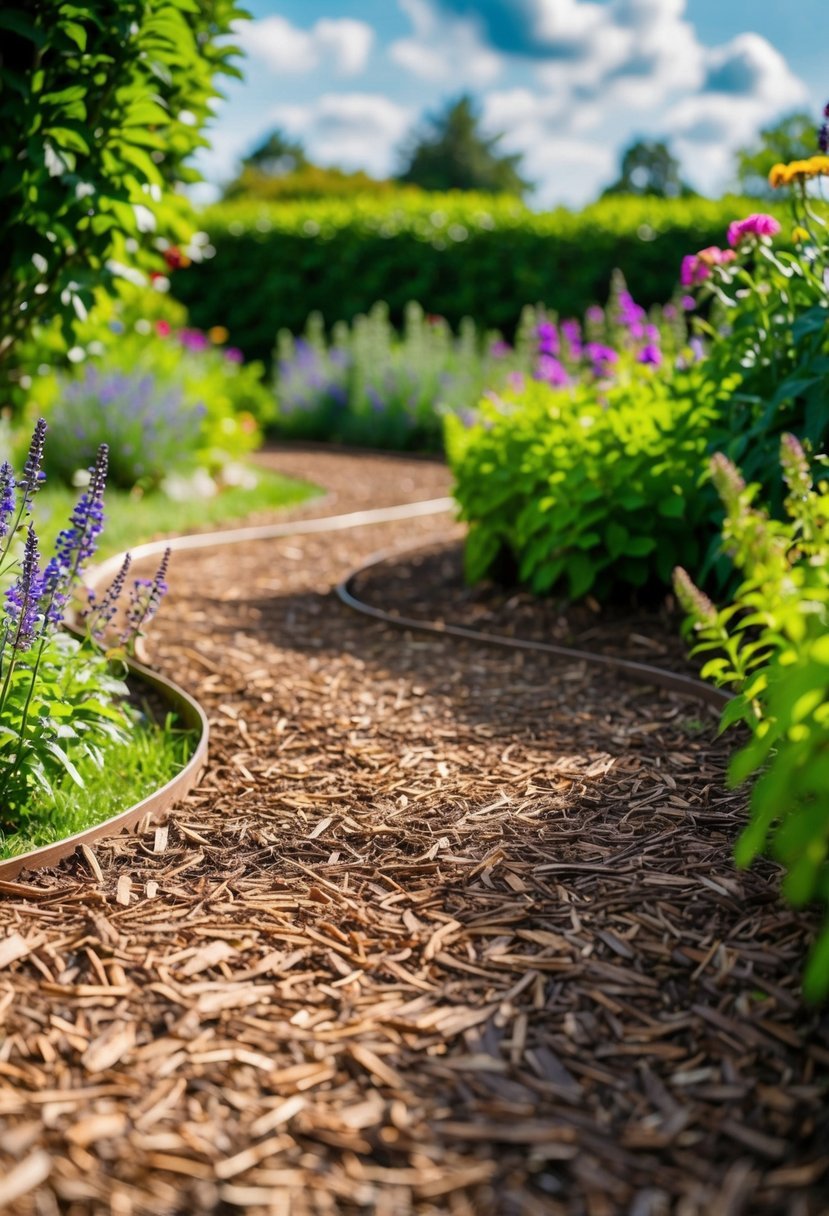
[(458, 254)]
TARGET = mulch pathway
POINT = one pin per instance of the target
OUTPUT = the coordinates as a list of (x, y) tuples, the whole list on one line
[(444, 930)]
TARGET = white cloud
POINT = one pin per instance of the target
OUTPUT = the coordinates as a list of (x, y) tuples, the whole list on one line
[(351, 130), (341, 42), (600, 74), (444, 50)]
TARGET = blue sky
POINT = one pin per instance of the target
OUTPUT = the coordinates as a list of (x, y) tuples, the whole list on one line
[(569, 82)]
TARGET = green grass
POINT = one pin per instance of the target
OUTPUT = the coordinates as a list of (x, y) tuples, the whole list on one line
[(155, 754), (132, 519)]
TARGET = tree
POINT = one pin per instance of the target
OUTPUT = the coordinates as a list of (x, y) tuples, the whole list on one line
[(451, 153), (277, 155), (792, 138), (649, 169), (101, 106)]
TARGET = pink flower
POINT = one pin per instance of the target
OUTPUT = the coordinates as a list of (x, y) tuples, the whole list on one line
[(163, 328), (693, 271), (756, 224)]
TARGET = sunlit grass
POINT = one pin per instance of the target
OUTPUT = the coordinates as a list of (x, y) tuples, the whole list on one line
[(155, 753)]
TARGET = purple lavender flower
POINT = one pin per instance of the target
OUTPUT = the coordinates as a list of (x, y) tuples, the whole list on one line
[(77, 543), (23, 597), (7, 497), (595, 314), (147, 594), (33, 477), (548, 343), (601, 357), (571, 332), (194, 340), (233, 354), (551, 371), (98, 615), (650, 354)]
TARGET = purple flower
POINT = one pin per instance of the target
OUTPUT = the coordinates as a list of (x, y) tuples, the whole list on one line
[(758, 224), (548, 343), (146, 596), (688, 303), (601, 357), (233, 354), (23, 597), (697, 349), (33, 477), (669, 312), (499, 349), (77, 543), (7, 497), (595, 314), (98, 616), (650, 354), (551, 371), (194, 340)]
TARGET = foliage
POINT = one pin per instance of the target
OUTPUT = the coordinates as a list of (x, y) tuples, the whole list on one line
[(277, 155), (771, 644), (768, 323), (275, 264), (452, 153), (60, 697), (373, 388), (312, 182), (648, 168), (99, 112), (163, 395), (591, 489), (791, 138)]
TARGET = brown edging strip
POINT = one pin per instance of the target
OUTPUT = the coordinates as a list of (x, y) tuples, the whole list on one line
[(642, 673)]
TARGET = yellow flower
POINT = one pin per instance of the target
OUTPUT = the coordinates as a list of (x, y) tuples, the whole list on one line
[(779, 176), (218, 334), (800, 235)]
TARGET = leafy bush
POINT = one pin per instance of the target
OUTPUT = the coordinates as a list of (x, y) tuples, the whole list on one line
[(99, 111), (161, 394), (61, 698), (462, 255), (771, 644), (596, 488)]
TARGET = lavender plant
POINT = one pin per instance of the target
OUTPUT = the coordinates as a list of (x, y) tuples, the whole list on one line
[(61, 695), (150, 428), (771, 645)]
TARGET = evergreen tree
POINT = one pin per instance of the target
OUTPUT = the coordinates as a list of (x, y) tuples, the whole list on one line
[(450, 152)]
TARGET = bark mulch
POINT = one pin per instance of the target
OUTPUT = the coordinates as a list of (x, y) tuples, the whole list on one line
[(444, 930)]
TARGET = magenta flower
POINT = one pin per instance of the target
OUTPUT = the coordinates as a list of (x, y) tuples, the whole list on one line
[(757, 224), (233, 354), (693, 271), (551, 371)]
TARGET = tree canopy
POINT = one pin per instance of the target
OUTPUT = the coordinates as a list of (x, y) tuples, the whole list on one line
[(792, 138), (648, 168), (450, 152)]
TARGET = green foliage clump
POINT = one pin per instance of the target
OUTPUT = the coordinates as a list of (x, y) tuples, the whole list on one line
[(771, 645), (100, 109), (373, 387), (478, 255), (590, 489)]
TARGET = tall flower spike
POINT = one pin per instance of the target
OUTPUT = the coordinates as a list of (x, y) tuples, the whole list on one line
[(7, 497), (98, 616), (77, 543), (694, 602), (147, 594), (23, 597), (796, 473), (32, 474), (727, 480)]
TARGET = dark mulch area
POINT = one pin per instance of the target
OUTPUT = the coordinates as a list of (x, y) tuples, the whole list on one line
[(445, 930)]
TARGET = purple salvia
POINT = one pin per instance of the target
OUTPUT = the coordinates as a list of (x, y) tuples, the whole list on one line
[(32, 474), (8, 500), (23, 597), (77, 543), (147, 594), (99, 615)]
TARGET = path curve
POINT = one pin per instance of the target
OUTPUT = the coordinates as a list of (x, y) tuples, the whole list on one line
[(443, 931)]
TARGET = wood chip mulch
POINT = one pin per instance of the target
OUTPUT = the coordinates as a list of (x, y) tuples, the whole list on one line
[(444, 930)]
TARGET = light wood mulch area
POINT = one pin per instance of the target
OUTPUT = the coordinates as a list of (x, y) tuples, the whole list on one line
[(444, 930)]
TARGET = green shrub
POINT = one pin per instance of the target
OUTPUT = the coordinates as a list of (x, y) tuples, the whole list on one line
[(460, 254), (771, 645), (100, 108), (588, 489)]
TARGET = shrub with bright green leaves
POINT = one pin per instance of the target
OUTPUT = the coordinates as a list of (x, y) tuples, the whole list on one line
[(460, 254), (771, 646), (100, 109), (589, 489)]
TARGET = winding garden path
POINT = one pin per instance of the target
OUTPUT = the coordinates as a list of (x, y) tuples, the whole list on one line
[(443, 930)]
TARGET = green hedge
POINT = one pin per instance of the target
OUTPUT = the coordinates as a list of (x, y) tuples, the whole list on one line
[(458, 254)]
